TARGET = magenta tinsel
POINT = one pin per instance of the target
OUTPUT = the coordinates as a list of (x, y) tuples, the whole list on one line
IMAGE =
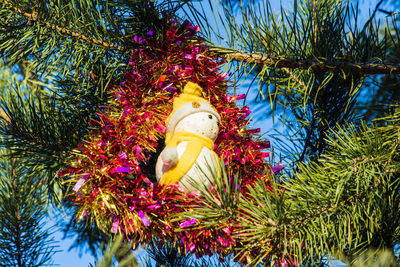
[(117, 158)]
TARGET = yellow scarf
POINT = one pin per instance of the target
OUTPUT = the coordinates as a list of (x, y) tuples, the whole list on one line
[(194, 146)]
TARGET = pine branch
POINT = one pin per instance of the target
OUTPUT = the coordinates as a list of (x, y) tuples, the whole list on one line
[(317, 66), (255, 58), (334, 207), (18, 222), (342, 203), (74, 40), (32, 17), (307, 37), (35, 128), (120, 249), (23, 239)]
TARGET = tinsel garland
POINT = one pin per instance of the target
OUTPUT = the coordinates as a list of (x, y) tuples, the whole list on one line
[(112, 174)]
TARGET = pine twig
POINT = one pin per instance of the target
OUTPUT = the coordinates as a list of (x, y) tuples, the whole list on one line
[(331, 208), (257, 58), (17, 214), (351, 199), (32, 17), (318, 66)]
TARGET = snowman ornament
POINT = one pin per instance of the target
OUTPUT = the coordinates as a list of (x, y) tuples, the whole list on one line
[(192, 127)]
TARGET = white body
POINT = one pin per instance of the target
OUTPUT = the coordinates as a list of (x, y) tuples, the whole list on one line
[(203, 171), (205, 168)]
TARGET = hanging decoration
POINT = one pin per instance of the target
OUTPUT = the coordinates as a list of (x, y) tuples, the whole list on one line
[(192, 128), (112, 178)]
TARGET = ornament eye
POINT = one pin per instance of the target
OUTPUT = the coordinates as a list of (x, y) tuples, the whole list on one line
[(210, 117), (218, 124)]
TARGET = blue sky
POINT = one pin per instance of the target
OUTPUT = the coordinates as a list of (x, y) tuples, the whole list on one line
[(66, 258)]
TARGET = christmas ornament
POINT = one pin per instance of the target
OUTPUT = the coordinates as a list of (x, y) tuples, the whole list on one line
[(112, 178), (192, 128)]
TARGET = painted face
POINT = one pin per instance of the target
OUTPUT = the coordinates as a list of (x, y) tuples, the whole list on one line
[(202, 123)]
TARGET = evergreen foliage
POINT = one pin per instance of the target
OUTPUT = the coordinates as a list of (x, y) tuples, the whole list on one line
[(333, 83), (301, 81), (76, 48), (346, 201), (120, 251), (24, 239)]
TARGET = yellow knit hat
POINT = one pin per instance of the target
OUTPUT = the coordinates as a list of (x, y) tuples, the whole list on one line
[(189, 102)]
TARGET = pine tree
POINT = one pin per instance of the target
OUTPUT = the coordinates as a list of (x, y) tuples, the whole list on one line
[(313, 64)]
